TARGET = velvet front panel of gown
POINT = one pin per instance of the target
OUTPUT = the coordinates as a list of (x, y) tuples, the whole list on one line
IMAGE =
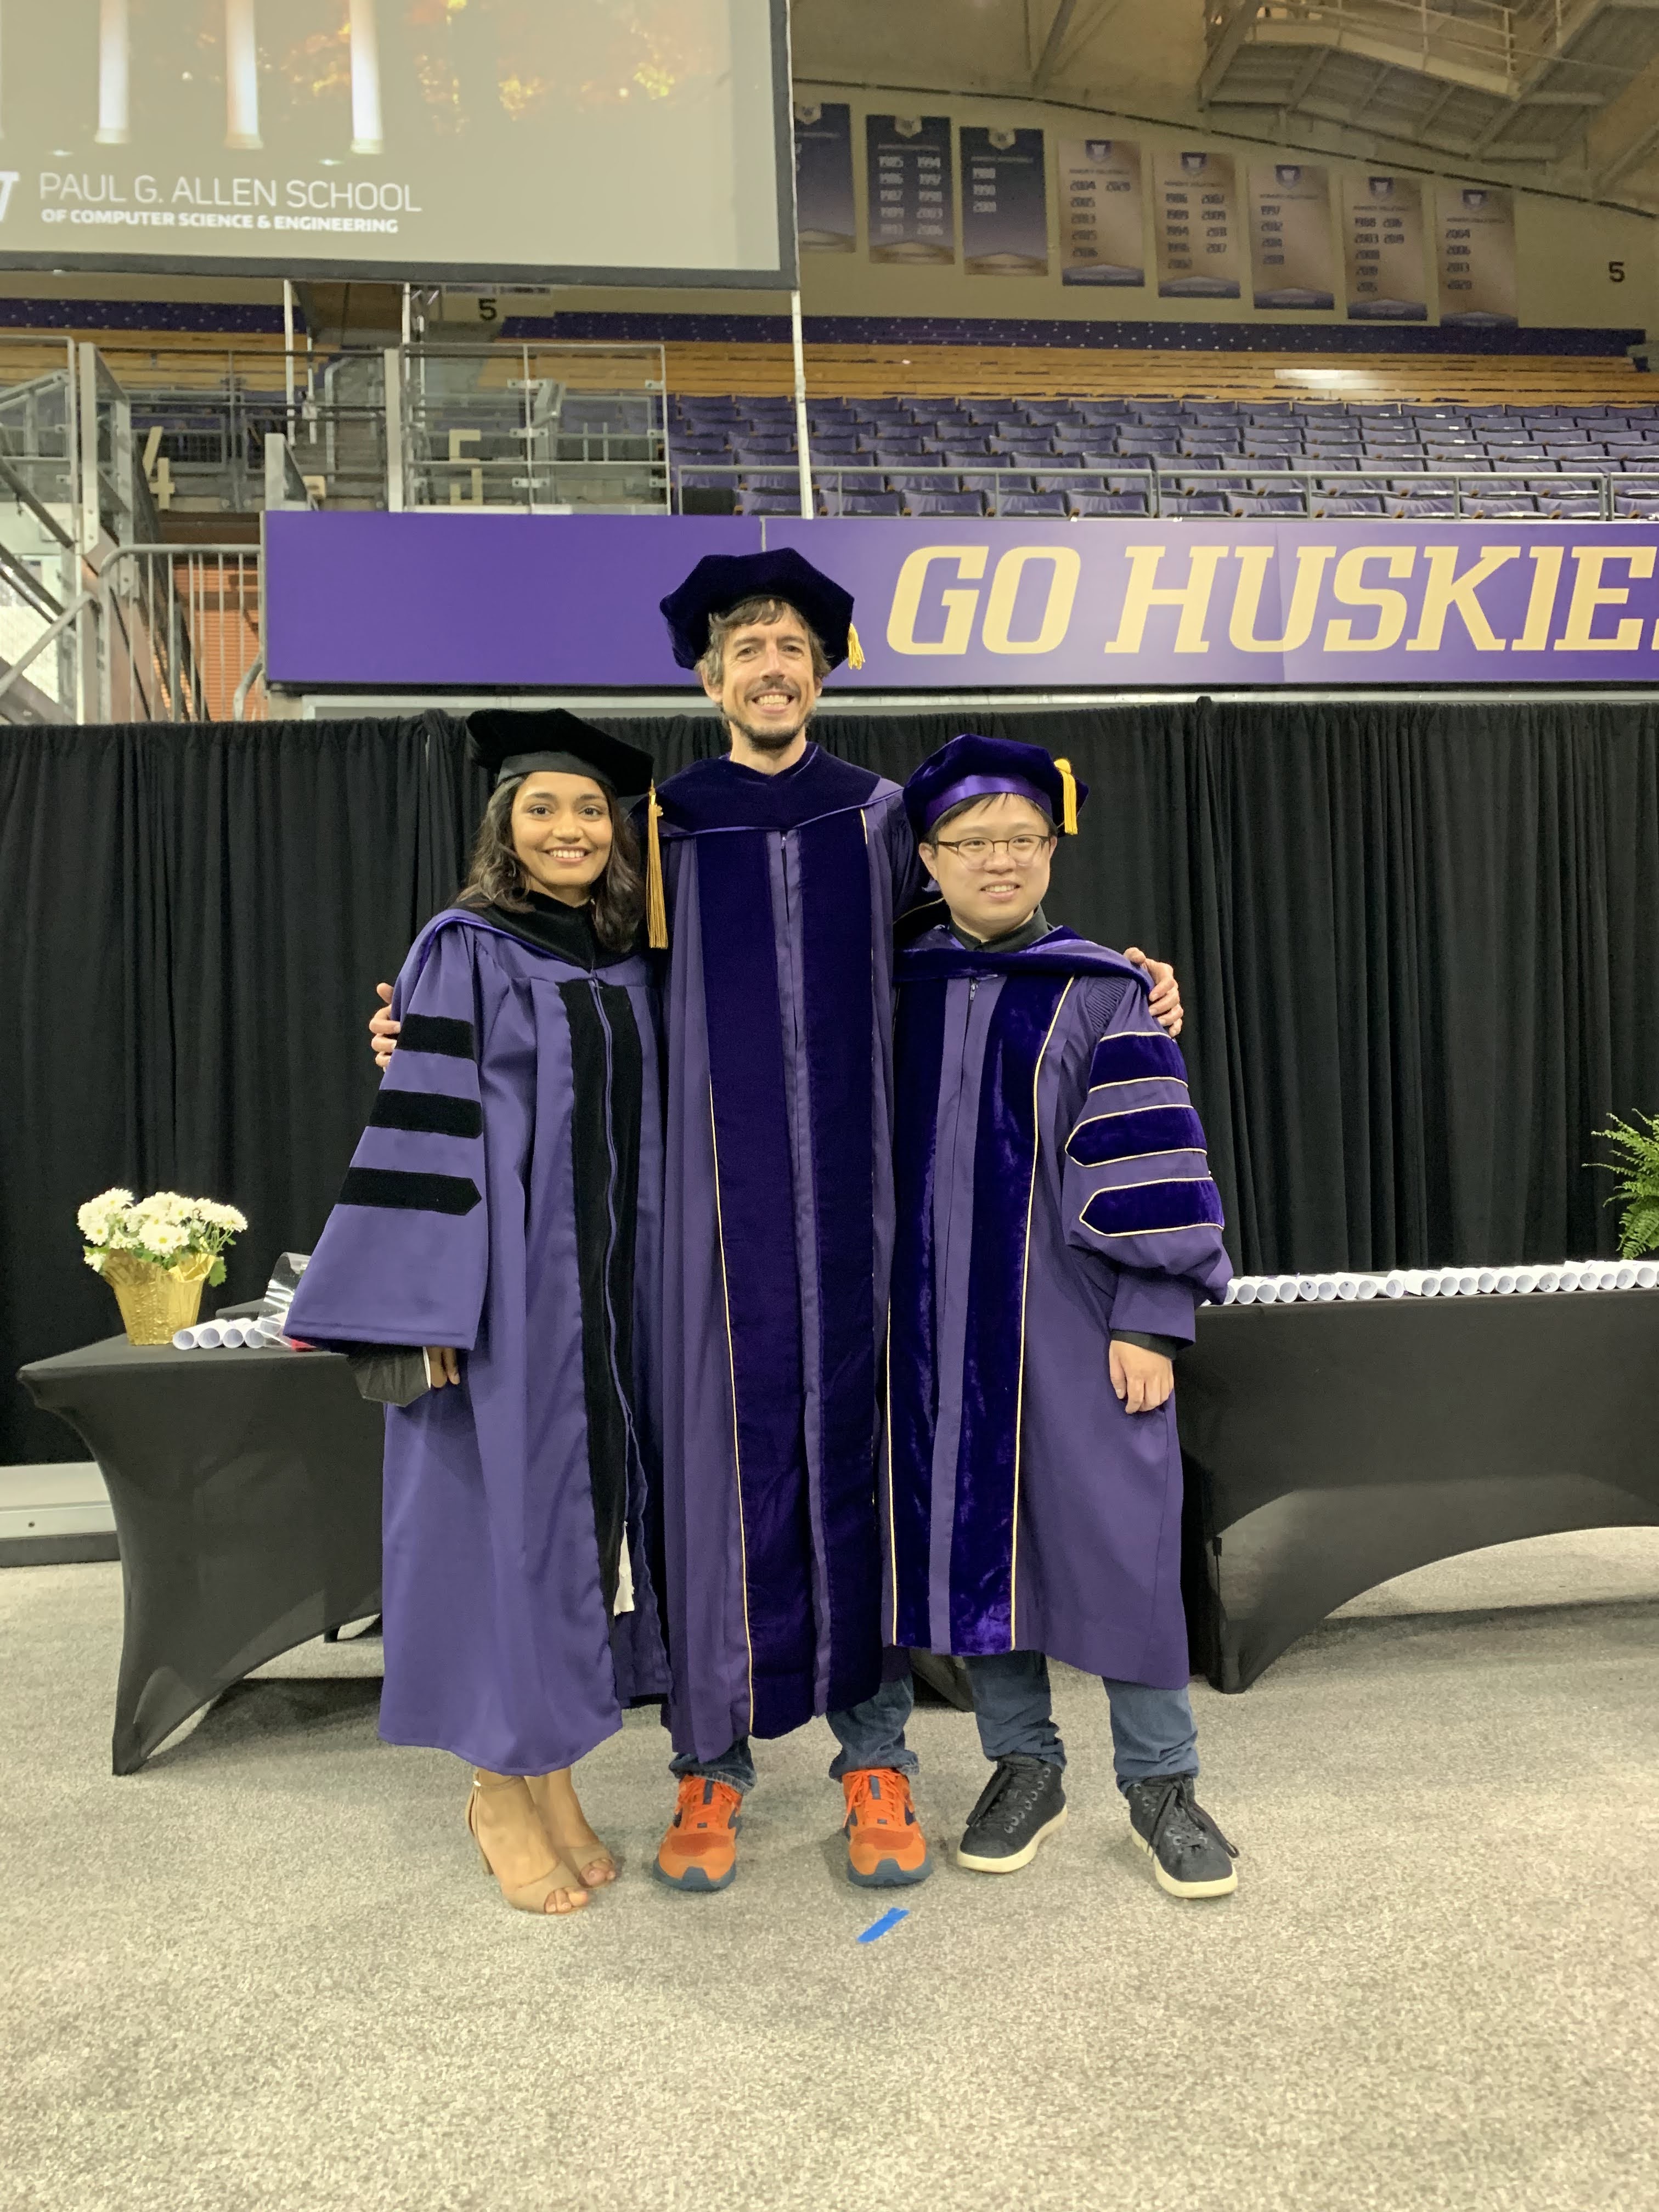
[(782, 893), (1025, 1509), (505, 1199)]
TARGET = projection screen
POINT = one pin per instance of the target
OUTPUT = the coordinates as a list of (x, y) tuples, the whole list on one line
[(640, 142)]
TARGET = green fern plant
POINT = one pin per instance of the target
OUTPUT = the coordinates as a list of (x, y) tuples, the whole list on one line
[(1636, 1164)]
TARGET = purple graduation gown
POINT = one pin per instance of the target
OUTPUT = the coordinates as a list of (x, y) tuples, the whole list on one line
[(1051, 1185), (782, 892), (505, 1199)]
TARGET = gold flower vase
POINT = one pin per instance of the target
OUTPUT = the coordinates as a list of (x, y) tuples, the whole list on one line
[(155, 1301)]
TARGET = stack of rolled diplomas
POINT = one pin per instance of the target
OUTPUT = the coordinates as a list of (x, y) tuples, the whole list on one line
[(1444, 1282), (254, 1329)]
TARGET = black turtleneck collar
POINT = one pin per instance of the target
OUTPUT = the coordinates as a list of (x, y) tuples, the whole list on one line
[(1012, 940)]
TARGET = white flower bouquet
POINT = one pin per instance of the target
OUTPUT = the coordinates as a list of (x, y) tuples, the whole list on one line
[(156, 1254)]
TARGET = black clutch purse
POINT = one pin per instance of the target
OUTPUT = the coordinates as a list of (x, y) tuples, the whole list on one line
[(389, 1374)]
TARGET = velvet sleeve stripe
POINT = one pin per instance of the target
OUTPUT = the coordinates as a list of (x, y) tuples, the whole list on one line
[(1134, 1131), (1143, 1209), (1133, 1055), (401, 1190), (438, 1033), (428, 1113)]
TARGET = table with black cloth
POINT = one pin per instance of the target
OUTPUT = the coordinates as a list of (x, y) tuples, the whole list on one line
[(1329, 1447), (1326, 1448), (246, 1486)]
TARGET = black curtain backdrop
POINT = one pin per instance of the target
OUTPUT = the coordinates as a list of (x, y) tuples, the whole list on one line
[(1418, 943)]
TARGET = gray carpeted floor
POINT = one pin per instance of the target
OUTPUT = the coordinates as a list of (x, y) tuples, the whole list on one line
[(266, 1972)]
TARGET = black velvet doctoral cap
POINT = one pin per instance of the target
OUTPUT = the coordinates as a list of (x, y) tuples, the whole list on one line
[(721, 581), (510, 741), (971, 767)]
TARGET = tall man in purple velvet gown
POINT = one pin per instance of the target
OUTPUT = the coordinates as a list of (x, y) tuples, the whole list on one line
[(1056, 1224), (786, 869)]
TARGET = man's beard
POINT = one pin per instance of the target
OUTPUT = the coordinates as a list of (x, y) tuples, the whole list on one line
[(770, 738)]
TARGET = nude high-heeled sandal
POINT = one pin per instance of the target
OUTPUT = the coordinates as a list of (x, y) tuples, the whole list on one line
[(540, 1895), (554, 1796)]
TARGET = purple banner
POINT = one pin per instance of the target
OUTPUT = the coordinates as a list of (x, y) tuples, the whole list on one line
[(548, 601)]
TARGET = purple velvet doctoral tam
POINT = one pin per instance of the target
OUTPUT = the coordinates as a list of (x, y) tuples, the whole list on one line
[(505, 1199), (1051, 1185), (778, 1228)]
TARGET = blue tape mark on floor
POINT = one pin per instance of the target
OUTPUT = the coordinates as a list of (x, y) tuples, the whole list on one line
[(887, 1920)]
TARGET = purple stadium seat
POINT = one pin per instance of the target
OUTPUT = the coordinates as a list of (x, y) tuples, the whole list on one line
[(1495, 510), (1406, 509), (1070, 482), (1036, 503), (761, 450), (840, 481), (1273, 502), (1209, 502), (1366, 503), (1569, 510), (768, 502), (865, 503), (771, 480), (1101, 505), (944, 502), (1636, 506)]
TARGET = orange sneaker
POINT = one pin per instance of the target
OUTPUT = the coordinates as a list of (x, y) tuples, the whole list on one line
[(885, 1847), (699, 1851)]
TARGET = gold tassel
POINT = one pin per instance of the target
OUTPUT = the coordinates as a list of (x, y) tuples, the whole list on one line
[(1068, 797), (656, 909), (854, 650)]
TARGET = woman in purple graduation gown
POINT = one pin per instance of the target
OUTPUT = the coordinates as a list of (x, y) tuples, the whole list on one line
[(501, 1217)]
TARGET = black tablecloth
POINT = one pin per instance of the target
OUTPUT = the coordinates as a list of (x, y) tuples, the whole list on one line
[(246, 1493), (1329, 1447), (1326, 1448)]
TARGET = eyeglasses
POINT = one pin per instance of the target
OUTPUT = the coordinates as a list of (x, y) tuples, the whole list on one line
[(975, 852)]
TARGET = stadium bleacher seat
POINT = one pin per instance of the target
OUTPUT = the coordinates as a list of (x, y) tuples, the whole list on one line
[(1251, 457), (944, 502)]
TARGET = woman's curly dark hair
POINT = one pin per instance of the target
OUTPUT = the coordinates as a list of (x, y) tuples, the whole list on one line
[(497, 879)]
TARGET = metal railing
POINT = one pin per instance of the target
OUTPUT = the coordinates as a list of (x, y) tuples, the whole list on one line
[(179, 634), (1315, 486), (537, 428), (1504, 45)]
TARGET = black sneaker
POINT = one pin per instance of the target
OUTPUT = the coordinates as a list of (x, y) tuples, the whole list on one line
[(1022, 1803), (1190, 1856)]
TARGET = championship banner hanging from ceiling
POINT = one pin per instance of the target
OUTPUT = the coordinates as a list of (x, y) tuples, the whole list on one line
[(911, 218), (1005, 203), (1195, 225), (825, 222), (1102, 222), (1474, 232), (1292, 258), (1382, 246)]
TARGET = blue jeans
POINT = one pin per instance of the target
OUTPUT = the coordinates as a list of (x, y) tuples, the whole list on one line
[(869, 1735), (1152, 1730)]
